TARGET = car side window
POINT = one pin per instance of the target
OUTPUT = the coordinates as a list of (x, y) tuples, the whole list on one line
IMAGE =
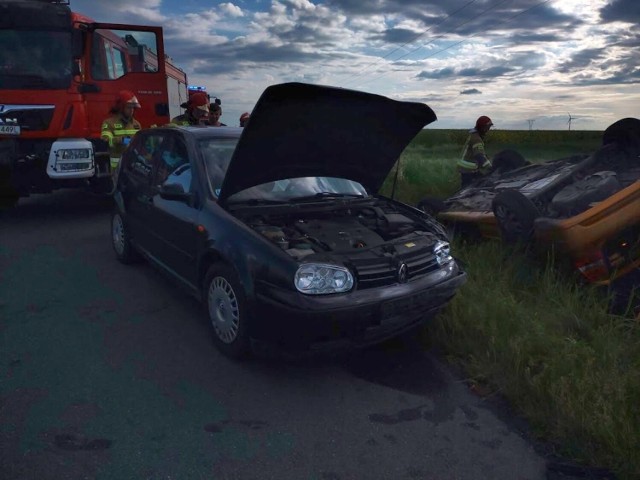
[(171, 163), (137, 159)]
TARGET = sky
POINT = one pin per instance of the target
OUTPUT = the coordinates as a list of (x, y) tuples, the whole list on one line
[(527, 64)]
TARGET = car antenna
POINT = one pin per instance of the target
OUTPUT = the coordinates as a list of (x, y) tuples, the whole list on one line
[(395, 180)]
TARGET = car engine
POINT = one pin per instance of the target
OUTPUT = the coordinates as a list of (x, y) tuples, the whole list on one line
[(338, 231)]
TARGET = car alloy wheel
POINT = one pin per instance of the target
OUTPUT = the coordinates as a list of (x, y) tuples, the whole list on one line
[(121, 240), (223, 310), (117, 234), (226, 310)]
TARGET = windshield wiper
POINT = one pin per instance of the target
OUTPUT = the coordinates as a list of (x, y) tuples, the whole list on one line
[(326, 195), (257, 201)]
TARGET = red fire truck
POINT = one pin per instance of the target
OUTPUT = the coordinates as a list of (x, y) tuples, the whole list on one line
[(59, 75)]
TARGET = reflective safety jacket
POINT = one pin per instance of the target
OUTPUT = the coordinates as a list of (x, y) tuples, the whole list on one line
[(117, 132), (474, 157)]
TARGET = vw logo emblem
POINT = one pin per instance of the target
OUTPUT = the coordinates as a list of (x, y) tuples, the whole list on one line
[(402, 273)]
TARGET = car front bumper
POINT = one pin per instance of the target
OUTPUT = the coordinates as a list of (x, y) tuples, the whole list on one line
[(354, 319)]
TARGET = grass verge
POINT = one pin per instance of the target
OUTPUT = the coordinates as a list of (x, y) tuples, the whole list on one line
[(523, 330)]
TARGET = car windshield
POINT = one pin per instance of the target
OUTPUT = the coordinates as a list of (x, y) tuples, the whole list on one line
[(217, 154), (35, 59), (300, 190)]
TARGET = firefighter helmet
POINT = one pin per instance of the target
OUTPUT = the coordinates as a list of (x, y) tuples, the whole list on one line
[(198, 100), (484, 121), (126, 97)]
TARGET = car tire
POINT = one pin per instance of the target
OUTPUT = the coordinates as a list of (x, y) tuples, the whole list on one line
[(227, 312), (625, 133), (121, 240), (507, 160), (515, 214), (431, 206)]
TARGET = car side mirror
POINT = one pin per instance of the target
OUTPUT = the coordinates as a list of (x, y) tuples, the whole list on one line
[(174, 191)]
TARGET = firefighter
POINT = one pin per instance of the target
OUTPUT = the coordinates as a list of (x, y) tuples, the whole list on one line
[(197, 110), (474, 162), (120, 126)]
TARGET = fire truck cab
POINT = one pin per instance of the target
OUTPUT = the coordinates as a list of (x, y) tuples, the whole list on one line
[(60, 73)]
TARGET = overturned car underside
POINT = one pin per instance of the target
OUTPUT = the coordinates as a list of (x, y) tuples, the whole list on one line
[(560, 188)]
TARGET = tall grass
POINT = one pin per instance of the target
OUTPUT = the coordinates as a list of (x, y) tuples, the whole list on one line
[(522, 329), (550, 347)]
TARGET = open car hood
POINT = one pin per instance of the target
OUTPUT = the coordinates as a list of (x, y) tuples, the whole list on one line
[(302, 130)]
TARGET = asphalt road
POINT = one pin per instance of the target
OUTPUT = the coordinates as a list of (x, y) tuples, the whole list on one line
[(108, 371)]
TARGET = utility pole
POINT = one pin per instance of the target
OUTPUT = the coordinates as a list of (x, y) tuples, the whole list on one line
[(531, 123)]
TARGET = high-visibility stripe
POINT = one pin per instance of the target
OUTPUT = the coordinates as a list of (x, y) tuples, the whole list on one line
[(108, 136), (464, 165), (478, 147), (121, 133)]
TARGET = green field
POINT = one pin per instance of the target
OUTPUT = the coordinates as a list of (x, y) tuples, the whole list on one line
[(521, 330)]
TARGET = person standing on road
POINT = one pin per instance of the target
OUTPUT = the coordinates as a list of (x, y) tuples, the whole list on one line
[(474, 161), (197, 111), (215, 112), (120, 126)]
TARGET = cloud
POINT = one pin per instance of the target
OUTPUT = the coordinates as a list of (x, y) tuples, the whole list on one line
[(471, 91), (396, 35), (477, 73), (231, 10), (438, 74), (621, 11)]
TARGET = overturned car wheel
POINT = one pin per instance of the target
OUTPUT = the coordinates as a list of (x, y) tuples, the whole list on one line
[(507, 160), (515, 214), (227, 311), (625, 133)]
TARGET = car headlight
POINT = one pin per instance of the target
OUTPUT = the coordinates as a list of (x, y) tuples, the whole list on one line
[(319, 279), (74, 153), (442, 251)]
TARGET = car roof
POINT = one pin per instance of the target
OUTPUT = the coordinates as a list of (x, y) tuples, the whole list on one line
[(203, 132)]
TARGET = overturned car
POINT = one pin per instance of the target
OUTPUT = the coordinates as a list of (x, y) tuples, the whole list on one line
[(277, 227), (585, 207)]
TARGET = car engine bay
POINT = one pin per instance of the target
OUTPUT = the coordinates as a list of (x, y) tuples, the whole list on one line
[(346, 229)]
